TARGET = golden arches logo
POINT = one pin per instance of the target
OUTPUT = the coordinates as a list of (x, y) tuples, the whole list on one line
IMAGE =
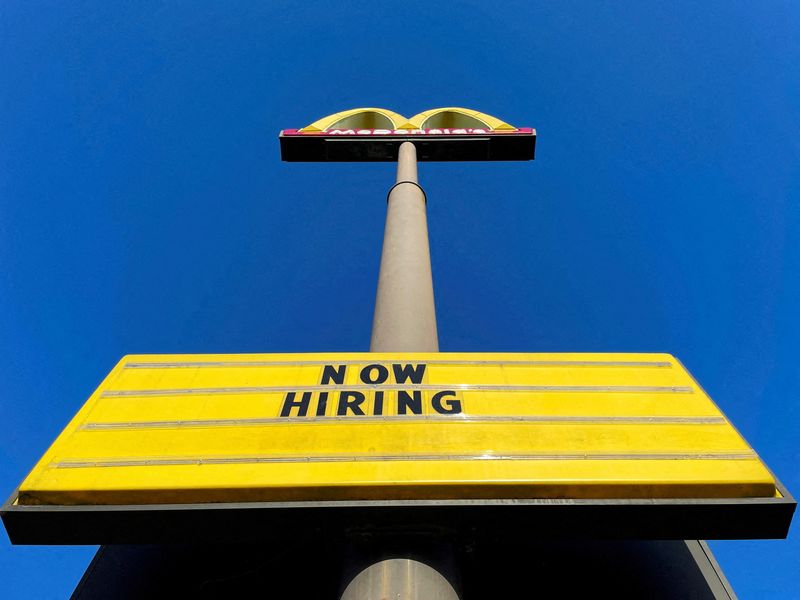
[(375, 134), (451, 117)]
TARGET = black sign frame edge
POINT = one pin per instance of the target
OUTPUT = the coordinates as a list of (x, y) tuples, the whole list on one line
[(506, 519), (430, 148)]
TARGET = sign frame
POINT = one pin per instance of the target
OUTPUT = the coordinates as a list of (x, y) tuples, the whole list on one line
[(508, 519), (365, 145)]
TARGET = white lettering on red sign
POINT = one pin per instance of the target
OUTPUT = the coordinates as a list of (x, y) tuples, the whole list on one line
[(470, 131)]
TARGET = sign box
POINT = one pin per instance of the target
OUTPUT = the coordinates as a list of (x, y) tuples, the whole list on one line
[(372, 428)]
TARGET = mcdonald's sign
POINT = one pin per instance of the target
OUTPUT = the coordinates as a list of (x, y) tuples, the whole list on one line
[(440, 134)]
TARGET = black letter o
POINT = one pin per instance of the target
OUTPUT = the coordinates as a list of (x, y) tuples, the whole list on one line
[(383, 374)]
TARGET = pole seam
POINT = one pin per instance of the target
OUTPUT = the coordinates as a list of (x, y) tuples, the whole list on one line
[(391, 189)]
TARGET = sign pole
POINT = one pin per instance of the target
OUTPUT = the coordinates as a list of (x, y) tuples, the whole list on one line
[(404, 321)]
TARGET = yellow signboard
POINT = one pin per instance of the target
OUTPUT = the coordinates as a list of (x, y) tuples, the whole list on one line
[(236, 428)]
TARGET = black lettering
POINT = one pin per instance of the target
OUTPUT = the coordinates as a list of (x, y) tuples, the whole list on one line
[(302, 405), (452, 406), (322, 405), (329, 373), (404, 372), (406, 401), (383, 374), (378, 406), (351, 400)]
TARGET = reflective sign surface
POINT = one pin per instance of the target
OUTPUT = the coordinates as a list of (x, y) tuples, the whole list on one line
[(228, 428)]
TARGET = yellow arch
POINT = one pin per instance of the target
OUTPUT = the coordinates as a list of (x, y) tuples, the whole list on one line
[(453, 117), (359, 118)]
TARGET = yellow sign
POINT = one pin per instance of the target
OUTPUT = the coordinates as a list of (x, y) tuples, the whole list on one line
[(234, 428)]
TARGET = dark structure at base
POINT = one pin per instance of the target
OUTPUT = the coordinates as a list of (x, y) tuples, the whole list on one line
[(313, 569)]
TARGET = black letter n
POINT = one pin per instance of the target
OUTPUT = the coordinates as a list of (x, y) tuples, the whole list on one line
[(329, 373)]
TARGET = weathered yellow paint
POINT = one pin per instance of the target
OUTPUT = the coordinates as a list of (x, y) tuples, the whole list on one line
[(208, 428)]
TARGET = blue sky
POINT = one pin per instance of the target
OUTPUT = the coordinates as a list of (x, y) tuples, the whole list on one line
[(144, 208)]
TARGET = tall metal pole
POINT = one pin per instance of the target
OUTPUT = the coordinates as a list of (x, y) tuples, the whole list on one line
[(404, 321)]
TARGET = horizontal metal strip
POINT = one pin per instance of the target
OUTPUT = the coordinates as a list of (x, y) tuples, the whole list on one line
[(306, 363), (339, 458), (367, 419), (423, 387)]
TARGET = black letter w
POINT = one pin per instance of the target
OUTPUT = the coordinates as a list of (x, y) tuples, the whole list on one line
[(403, 372)]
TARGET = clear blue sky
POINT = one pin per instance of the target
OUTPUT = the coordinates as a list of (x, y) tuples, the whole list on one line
[(144, 208)]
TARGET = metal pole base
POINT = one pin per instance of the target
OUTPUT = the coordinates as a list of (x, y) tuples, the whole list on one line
[(399, 579)]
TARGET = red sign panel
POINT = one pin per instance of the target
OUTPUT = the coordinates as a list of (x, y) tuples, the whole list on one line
[(409, 132)]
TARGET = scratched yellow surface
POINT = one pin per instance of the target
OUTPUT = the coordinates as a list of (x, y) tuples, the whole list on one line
[(209, 428)]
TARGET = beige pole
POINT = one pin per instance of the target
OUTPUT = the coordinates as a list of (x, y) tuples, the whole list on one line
[(405, 321)]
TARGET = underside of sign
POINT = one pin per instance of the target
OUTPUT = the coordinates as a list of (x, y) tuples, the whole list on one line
[(627, 444), (381, 145)]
